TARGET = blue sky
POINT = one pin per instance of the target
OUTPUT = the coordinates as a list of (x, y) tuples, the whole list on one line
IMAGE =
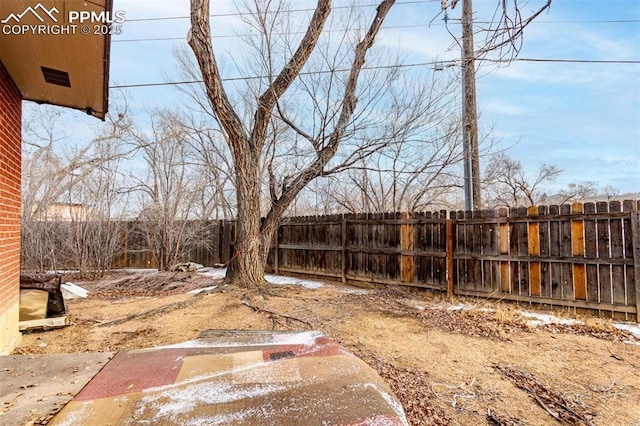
[(582, 117)]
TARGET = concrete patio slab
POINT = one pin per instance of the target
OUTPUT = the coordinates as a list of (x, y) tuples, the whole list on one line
[(237, 378), (35, 387)]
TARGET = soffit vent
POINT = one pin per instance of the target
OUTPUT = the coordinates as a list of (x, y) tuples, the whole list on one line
[(57, 77)]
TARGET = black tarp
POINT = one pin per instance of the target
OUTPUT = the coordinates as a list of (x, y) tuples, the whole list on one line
[(50, 283)]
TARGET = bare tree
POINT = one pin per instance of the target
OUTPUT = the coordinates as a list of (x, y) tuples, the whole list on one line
[(505, 32), (611, 192), (69, 196), (407, 176), (508, 185), (209, 157), (170, 190), (334, 118), (97, 221), (575, 192)]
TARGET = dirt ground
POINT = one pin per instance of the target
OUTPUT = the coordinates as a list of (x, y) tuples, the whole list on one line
[(446, 363)]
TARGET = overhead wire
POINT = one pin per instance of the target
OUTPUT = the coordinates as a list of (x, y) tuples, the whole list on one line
[(220, 15), (451, 62), (177, 83), (236, 35), (231, 14), (454, 21)]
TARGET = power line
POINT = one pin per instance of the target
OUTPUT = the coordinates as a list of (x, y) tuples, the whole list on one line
[(384, 27), (606, 21), (226, 15), (236, 35), (414, 65), (570, 61), (179, 83), (400, 3)]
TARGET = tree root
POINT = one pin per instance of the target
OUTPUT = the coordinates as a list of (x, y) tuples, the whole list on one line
[(278, 320), (160, 310)]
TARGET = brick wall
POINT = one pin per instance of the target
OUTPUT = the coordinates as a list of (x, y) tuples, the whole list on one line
[(10, 169)]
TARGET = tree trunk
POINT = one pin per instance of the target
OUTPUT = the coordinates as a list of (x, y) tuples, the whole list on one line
[(247, 265)]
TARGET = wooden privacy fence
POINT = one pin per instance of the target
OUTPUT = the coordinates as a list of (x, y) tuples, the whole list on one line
[(580, 255), (583, 256)]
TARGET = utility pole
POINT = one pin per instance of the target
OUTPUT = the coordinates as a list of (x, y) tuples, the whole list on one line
[(511, 29), (472, 198)]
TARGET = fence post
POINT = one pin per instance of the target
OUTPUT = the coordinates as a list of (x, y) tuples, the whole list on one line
[(577, 249), (344, 249), (276, 256), (635, 234), (534, 251), (406, 244), (505, 269), (450, 269)]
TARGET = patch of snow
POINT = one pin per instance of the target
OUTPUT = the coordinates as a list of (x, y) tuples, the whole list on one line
[(167, 404), (306, 338), (218, 273), (302, 338), (282, 280), (183, 345), (63, 271), (187, 267), (221, 419), (215, 273), (438, 306), (76, 415), (634, 328), (202, 290), (138, 270), (538, 319), (458, 307), (412, 303)]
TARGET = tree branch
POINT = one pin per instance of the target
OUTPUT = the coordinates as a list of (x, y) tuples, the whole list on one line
[(199, 39), (288, 74)]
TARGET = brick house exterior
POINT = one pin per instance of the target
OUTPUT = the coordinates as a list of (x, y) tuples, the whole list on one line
[(10, 170), (65, 69)]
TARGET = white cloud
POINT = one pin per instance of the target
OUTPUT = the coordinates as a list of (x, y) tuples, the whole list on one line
[(504, 107)]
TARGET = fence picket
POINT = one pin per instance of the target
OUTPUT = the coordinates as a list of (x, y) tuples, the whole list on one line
[(617, 251), (630, 282), (591, 251), (534, 251), (546, 284), (578, 250), (635, 232)]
